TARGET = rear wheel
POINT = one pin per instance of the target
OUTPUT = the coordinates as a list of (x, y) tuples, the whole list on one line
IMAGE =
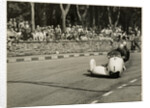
[(115, 75), (118, 74)]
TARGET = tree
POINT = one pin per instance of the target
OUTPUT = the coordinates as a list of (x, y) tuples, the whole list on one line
[(44, 14), (64, 14), (94, 17), (82, 16), (18, 9), (112, 20), (32, 16)]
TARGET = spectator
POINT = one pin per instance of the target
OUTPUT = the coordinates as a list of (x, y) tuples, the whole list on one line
[(14, 23), (57, 32)]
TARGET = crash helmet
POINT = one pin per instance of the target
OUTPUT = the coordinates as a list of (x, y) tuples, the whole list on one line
[(121, 46), (124, 43)]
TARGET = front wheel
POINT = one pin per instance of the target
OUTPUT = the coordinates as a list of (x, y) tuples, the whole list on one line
[(118, 75)]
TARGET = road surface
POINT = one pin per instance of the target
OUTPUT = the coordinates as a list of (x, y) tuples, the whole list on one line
[(66, 81)]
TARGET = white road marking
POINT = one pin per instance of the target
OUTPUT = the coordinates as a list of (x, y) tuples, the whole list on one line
[(132, 81), (27, 59), (66, 56), (94, 102), (96, 54), (122, 86), (76, 55), (108, 93), (54, 57), (41, 58), (86, 54)]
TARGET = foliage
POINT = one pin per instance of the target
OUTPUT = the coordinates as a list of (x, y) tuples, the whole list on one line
[(91, 16)]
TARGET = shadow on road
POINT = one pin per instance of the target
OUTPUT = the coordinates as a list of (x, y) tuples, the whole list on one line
[(89, 74), (57, 85), (97, 76)]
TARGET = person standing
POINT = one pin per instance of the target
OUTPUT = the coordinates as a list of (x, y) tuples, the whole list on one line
[(134, 38)]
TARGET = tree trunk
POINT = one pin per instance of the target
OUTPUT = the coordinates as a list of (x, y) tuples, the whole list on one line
[(82, 16), (118, 16), (115, 23), (93, 11), (78, 13), (64, 14), (64, 22), (109, 16), (43, 15), (32, 16)]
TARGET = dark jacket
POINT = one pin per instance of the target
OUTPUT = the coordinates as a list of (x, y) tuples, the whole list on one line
[(120, 52)]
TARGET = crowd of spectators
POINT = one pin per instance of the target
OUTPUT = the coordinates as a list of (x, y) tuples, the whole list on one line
[(17, 28), (21, 31)]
